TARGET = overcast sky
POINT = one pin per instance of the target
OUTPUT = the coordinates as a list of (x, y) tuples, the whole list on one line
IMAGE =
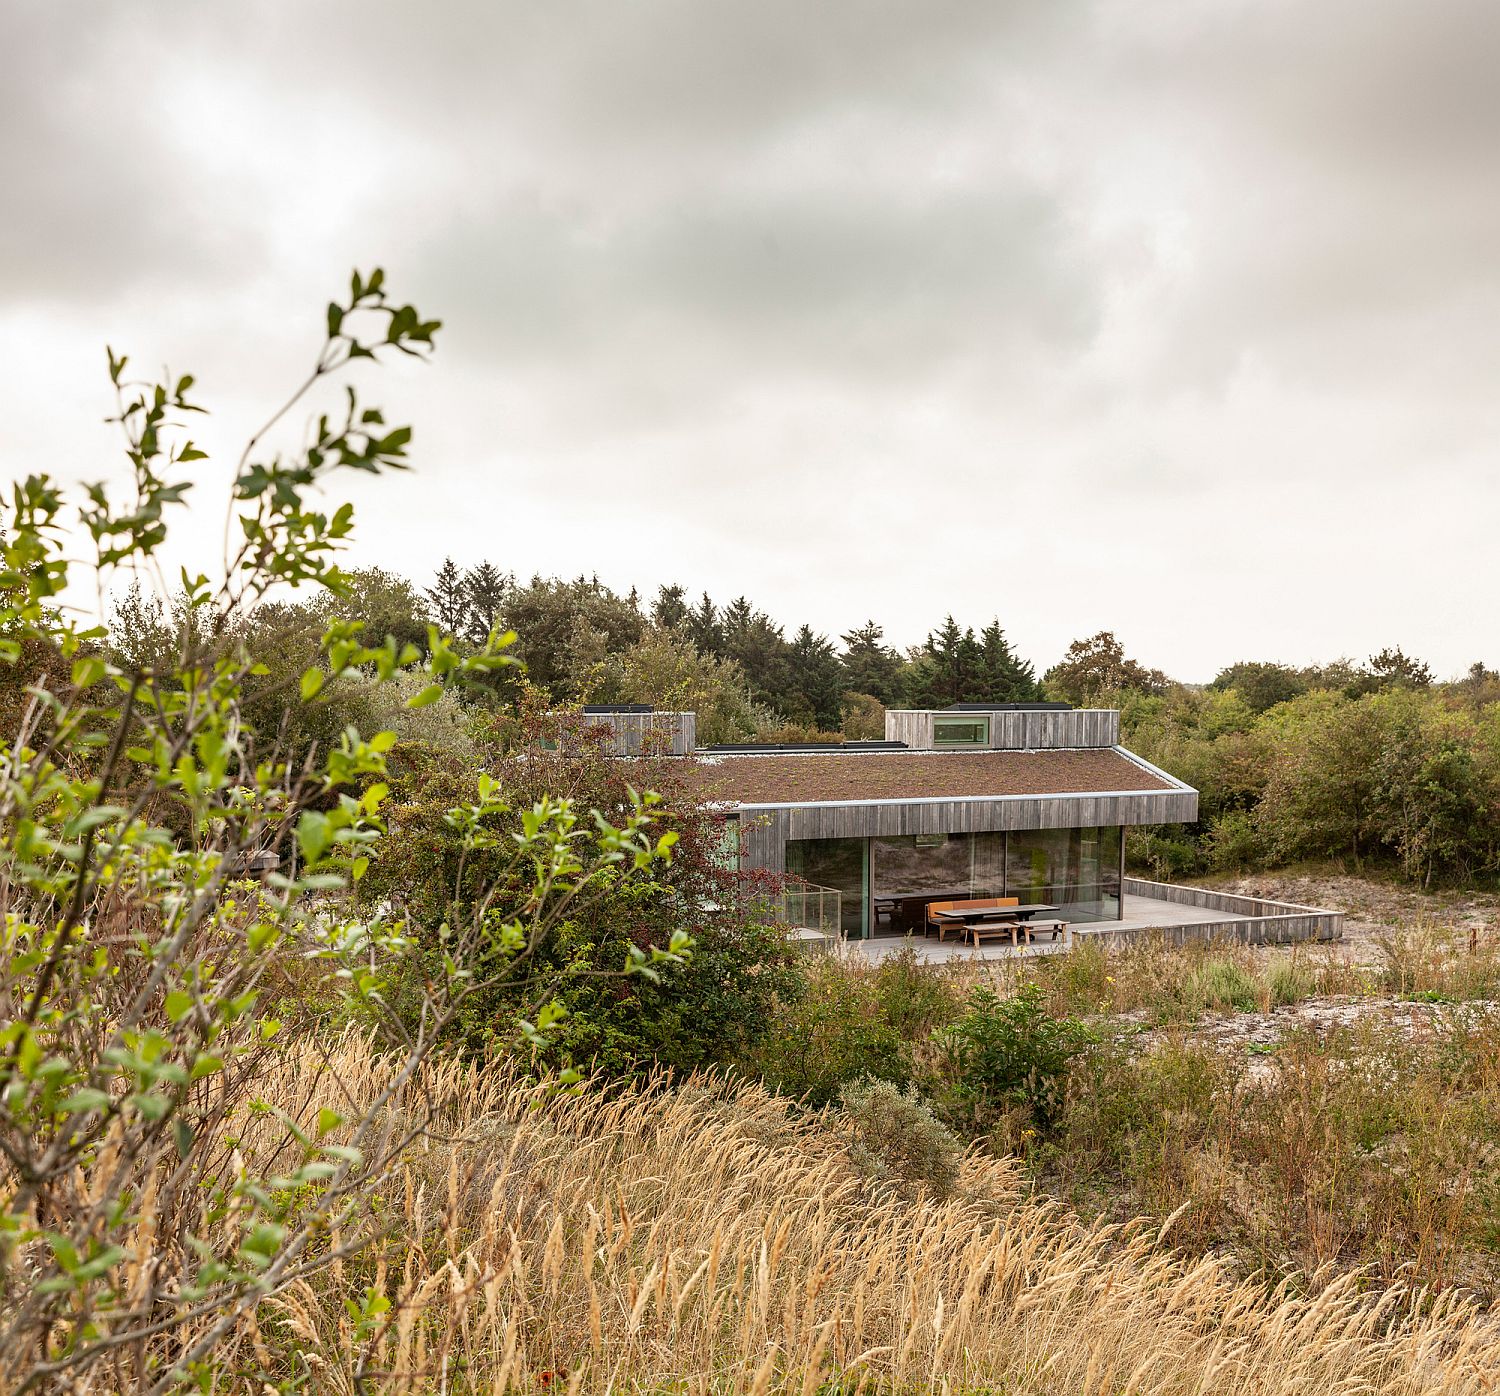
[(1176, 319)]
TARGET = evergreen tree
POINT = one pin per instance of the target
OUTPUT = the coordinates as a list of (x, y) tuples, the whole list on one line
[(870, 666), (670, 609), (755, 642), (704, 628), (945, 668), (448, 599), (1001, 675), (817, 676), (485, 586)]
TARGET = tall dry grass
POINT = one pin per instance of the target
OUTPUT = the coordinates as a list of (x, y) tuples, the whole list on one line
[(711, 1238)]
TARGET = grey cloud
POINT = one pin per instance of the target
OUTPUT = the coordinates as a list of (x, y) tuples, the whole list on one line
[(98, 195), (1165, 272)]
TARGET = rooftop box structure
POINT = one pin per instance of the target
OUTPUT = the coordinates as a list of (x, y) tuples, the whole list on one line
[(635, 729), (1005, 727)]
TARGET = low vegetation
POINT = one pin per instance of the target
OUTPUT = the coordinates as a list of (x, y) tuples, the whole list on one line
[(713, 1237)]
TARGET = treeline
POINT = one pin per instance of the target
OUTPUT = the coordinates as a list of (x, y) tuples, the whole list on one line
[(1361, 765), (1372, 763), (741, 672)]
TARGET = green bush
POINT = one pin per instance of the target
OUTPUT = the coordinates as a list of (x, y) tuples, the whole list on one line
[(832, 1030), (1289, 982), (915, 998), (709, 1011), (1006, 1054), (898, 1141)]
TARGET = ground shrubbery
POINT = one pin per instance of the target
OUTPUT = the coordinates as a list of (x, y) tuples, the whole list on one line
[(1366, 769), (897, 1141), (1356, 1146), (1360, 1146)]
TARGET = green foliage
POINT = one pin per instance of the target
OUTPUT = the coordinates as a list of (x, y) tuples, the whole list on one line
[(1095, 672), (142, 771), (1288, 982), (711, 1009), (1223, 984), (664, 669), (1355, 1147), (1376, 771), (897, 1141), (914, 998), (831, 1031), (1008, 1054)]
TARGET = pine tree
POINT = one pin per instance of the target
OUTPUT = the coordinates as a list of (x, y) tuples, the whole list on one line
[(1001, 675), (670, 609), (817, 677), (755, 642), (449, 599), (871, 666), (704, 628), (944, 668), (485, 587)]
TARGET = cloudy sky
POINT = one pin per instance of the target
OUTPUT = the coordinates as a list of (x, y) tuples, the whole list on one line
[(1176, 319)]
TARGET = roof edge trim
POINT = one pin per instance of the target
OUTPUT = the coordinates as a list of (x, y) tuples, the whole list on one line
[(951, 799)]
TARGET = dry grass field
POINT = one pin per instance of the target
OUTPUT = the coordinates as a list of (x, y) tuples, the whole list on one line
[(711, 1238)]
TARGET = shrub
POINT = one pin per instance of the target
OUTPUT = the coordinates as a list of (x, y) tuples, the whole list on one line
[(832, 1030), (151, 1203), (709, 1010), (1008, 1053), (1222, 984), (898, 1141), (1288, 981), (915, 998)]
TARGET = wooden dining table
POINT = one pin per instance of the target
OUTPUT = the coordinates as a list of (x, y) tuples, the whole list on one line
[(1016, 919), (1023, 912)]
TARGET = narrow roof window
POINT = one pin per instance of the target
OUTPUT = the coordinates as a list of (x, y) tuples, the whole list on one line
[(968, 730)]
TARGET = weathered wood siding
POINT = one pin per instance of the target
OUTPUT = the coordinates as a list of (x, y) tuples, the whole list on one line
[(765, 831), (912, 727), (662, 734), (1016, 731), (1253, 930), (1265, 922)]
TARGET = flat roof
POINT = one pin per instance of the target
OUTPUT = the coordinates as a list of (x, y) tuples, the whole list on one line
[(817, 778)]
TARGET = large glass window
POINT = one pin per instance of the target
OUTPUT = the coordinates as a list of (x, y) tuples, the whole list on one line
[(1077, 870), (968, 730), (838, 863), (909, 871)]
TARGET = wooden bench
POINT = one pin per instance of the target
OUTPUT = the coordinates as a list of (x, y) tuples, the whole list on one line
[(1015, 929), (973, 904)]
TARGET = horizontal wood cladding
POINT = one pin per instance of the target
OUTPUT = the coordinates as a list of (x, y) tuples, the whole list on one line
[(1016, 731), (764, 832)]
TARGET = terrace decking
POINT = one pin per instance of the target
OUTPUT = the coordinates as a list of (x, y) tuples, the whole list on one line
[(1181, 913)]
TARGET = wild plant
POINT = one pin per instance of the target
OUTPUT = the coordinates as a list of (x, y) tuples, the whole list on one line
[(139, 1229)]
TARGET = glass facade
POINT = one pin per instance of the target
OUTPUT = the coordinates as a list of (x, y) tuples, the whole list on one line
[(887, 882), (1075, 869)]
